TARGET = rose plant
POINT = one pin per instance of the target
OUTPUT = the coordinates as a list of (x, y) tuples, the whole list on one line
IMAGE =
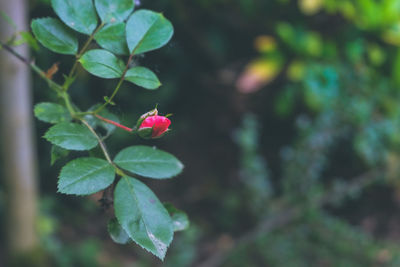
[(119, 33)]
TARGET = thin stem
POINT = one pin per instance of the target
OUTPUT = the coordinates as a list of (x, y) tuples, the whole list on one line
[(14, 53), (121, 80), (118, 171), (114, 123), (53, 85), (101, 143), (68, 104), (83, 50)]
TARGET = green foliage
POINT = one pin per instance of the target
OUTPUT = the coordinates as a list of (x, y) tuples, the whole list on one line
[(85, 176), (55, 36), (147, 30), (148, 162), (113, 38), (114, 11), (102, 63), (143, 77), (319, 135), (51, 113), (71, 136), (80, 15), (142, 216)]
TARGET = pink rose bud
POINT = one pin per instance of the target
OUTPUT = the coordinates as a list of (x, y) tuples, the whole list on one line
[(145, 115), (153, 126)]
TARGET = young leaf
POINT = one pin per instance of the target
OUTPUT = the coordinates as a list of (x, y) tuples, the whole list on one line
[(85, 176), (143, 77), (117, 233), (77, 14), (109, 101), (142, 216), (147, 30), (148, 162), (180, 220), (55, 36), (51, 113), (112, 37), (27, 38), (102, 63), (57, 153), (114, 11), (71, 136)]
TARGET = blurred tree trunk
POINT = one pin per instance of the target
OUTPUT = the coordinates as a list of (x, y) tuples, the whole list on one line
[(17, 148)]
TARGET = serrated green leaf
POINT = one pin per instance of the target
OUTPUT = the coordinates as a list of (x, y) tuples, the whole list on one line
[(102, 63), (57, 153), (113, 38), (179, 218), (71, 136), (147, 30), (142, 216), (114, 11), (51, 113), (54, 35), (117, 233), (143, 77), (80, 15), (148, 162), (85, 176)]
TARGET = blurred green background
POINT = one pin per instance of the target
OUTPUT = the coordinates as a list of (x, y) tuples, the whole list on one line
[(286, 114)]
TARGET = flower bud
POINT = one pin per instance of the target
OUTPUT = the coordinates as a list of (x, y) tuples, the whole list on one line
[(153, 126), (152, 112)]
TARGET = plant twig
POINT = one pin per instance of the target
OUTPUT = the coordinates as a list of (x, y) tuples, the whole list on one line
[(121, 80), (53, 85), (10, 50), (85, 46), (115, 123), (101, 143)]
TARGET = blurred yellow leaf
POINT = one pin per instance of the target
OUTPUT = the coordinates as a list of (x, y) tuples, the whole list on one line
[(310, 7), (257, 74)]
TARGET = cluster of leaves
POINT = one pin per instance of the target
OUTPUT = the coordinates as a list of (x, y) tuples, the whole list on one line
[(140, 216)]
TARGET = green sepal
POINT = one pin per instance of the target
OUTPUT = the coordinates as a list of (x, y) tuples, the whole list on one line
[(145, 133)]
